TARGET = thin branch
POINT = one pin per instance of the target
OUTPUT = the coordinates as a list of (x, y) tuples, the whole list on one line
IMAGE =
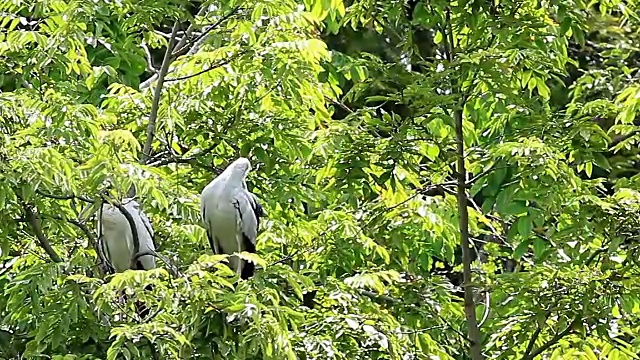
[(151, 127), (388, 299), (487, 309), (553, 341), (187, 34), (595, 254), (183, 49), (339, 103), (64, 197), (212, 67), (420, 331), (174, 269), (285, 259), (82, 226), (620, 138), (533, 339), (482, 174), (36, 226)]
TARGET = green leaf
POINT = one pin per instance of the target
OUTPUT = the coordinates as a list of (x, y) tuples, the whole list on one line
[(521, 249), (525, 225), (539, 246), (588, 168)]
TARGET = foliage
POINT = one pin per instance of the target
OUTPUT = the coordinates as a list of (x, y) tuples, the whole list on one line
[(347, 111)]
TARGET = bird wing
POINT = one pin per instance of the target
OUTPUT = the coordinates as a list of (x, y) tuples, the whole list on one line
[(147, 225), (258, 210), (249, 211), (145, 235)]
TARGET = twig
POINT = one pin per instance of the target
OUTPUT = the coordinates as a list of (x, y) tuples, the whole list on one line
[(419, 331), (212, 67), (477, 177), (487, 309), (36, 226), (619, 139), (188, 160), (533, 339), (375, 296), (286, 258), (151, 127)]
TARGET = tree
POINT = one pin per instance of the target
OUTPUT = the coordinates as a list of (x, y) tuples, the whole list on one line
[(405, 153)]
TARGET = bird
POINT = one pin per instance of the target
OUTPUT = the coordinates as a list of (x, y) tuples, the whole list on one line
[(117, 243), (231, 215), (116, 237)]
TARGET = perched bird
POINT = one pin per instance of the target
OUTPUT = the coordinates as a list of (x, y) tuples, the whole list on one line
[(231, 215), (116, 237), (117, 242)]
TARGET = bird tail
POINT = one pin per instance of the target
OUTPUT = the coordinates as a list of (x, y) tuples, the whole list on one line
[(248, 269), (141, 309)]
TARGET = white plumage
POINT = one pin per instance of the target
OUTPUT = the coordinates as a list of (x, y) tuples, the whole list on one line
[(117, 241), (231, 215)]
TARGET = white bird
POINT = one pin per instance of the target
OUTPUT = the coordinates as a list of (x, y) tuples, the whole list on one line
[(116, 237), (231, 215)]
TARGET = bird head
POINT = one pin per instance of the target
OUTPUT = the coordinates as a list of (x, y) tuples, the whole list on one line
[(111, 215), (239, 169)]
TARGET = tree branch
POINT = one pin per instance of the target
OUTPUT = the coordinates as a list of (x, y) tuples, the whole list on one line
[(196, 43), (339, 103), (463, 213), (212, 67), (64, 197), (151, 127), (82, 226), (36, 226), (550, 343), (173, 269), (183, 40), (532, 341)]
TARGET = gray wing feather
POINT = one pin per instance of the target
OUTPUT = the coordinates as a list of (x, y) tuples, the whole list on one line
[(248, 215), (146, 223)]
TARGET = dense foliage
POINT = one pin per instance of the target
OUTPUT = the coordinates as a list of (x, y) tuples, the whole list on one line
[(353, 115)]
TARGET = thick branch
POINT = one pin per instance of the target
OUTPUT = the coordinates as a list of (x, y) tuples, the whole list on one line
[(463, 213), (151, 127), (36, 226)]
